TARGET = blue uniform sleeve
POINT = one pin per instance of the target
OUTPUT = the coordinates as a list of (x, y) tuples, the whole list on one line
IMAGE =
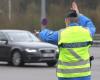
[(86, 22), (49, 36)]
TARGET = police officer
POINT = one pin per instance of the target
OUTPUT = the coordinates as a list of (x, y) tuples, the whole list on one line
[(73, 62), (74, 42)]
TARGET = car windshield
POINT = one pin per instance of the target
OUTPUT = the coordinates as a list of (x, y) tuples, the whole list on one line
[(22, 36)]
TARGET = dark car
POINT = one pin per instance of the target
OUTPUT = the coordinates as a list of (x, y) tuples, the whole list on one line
[(19, 46)]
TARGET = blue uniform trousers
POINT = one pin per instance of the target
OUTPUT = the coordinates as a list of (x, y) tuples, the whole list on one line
[(80, 78)]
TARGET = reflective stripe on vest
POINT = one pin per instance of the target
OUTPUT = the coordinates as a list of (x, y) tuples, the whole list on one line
[(73, 63), (75, 45), (75, 54), (77, 70), (73, 75)]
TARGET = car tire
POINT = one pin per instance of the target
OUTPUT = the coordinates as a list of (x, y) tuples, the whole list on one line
[(17, 59), (51, 63)]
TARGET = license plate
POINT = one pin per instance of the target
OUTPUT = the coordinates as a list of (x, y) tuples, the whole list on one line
[(48, 55)]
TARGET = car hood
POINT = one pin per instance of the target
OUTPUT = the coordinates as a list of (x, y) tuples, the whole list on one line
[(35, 44)]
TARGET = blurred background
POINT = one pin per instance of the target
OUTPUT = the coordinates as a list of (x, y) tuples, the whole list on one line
[(26, 14)]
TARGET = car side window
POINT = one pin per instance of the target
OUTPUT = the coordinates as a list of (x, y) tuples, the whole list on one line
[(2, 36), (3, 39)]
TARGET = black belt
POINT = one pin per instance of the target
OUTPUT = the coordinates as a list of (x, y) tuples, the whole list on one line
[(75, 45)]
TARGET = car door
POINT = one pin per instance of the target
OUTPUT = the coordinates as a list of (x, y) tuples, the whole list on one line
[(4, 47)]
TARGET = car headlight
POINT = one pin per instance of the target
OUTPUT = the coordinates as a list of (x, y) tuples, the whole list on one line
[(31, 50), (57, 50)]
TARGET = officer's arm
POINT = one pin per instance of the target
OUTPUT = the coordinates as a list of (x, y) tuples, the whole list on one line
[(49, 36), (83, 20), (86, 22), (91, 28)]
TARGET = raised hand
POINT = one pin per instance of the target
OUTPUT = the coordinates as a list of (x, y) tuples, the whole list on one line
[(75, 7)]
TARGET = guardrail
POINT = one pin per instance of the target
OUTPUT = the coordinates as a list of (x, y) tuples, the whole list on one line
[(96, 40), (96, 37)]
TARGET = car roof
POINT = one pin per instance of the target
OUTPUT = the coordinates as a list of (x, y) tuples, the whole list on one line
[(13, 30)]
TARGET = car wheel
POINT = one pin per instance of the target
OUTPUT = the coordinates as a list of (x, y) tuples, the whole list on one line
[(51, 64), (17, 59)]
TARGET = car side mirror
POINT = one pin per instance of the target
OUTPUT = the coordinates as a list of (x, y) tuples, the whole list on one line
[(3, 41)]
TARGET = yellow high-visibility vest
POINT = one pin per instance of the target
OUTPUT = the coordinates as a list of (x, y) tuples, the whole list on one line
[(73, 61)]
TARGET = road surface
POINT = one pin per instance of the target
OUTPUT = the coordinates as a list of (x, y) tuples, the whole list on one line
[(41, 71)]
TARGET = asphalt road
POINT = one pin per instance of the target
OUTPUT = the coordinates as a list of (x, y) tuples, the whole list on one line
[(96, 63), (41, 71)]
